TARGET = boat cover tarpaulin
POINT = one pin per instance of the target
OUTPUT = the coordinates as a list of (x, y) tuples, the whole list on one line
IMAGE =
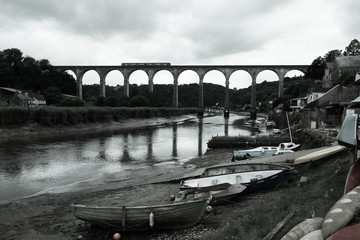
[(347, 134)]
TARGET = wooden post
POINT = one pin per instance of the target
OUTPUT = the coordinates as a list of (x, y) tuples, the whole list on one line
[(279, 226)]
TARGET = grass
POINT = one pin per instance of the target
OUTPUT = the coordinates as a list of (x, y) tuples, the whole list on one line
[(255, 215)]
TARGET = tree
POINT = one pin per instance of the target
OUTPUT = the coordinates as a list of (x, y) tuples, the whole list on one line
[(316, 69), (330, 56), (53, 95), (139, 101), (12, 56), (353, 49)]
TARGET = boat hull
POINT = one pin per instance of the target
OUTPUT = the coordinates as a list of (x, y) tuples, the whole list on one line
[(319, 155), (264, 151), (257, 152), (254, 176), (353, 177), (348, 233), (222, 193), (177, 215)]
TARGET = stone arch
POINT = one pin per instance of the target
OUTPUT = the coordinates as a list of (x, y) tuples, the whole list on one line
[(92, 74), (164, 77), (240, 79), (270, 74), (189, 73), (90, 77), (292, 72), (72, 73), (113, 76), (191, 77), (138, 78), (161, 94), (212, 75)]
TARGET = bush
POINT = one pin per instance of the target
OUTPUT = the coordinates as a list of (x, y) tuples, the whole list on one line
[(139, 101), (14, 115), (70, 102)]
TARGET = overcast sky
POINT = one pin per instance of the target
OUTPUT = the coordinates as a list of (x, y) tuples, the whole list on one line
[(236, 32)]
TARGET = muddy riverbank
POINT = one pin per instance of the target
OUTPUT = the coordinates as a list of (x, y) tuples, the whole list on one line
[(49, 216), (36, 130)]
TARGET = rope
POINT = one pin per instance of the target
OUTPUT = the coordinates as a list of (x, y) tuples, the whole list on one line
[(336, 172)]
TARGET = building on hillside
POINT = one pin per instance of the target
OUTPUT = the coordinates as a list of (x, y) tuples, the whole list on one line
[(15, 97), (341, 65), (313, 96), (328, 109), (296, 104)]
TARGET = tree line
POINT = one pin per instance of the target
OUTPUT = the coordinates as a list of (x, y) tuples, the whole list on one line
[(26, 73)]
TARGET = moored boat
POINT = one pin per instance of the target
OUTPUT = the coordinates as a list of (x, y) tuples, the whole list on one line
[(256, 176), (348, 137), (264, 151), (221, 193), (348, 233), (324, 153), (348, 133), (167, 216)]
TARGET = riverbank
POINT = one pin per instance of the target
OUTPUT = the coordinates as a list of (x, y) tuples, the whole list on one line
[(49, 216), (37, 130)]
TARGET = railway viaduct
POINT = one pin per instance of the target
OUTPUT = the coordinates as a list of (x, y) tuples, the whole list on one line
[(152, 68)]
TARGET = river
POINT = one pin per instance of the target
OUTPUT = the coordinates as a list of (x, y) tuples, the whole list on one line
[(59, 164)]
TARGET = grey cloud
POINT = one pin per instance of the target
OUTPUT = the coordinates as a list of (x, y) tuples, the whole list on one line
[(94, 18), (232, 28), (199, 30)]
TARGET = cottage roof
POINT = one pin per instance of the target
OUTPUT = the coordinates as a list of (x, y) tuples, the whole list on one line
[(347, 62), (329, 98), (10, 89), (336, 95)]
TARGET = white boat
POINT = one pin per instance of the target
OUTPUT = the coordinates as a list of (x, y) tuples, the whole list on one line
[(222, 193), (264, 151), (256, 176), (270, 124), (288, 145)]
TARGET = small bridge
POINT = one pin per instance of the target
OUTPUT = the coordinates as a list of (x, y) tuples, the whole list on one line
[(152, 68)]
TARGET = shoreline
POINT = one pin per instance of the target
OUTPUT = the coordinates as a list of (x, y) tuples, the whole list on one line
[(37, 130), (49, 215)]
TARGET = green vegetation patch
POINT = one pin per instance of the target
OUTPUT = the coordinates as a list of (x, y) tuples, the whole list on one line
[(52, 116)]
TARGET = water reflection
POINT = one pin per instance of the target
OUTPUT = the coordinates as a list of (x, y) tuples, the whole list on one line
[(226, 127), (174, 137), (200, 136), (30, 166)]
